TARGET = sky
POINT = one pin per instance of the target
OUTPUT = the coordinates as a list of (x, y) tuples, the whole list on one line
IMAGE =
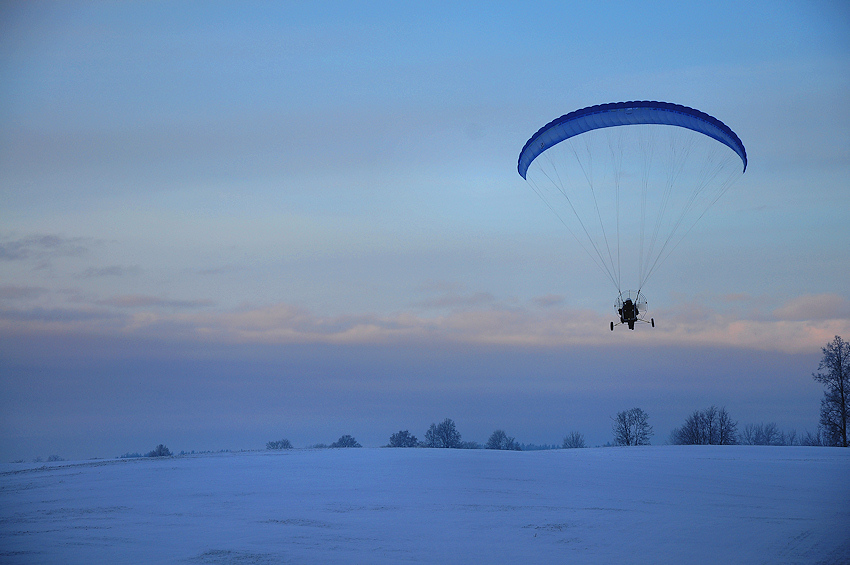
[(226, 223)]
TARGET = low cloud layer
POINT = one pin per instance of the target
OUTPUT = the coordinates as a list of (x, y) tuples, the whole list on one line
[(814, 307), (145, 301), (16, 292), (41, 246), (110, 271), (801, 325)]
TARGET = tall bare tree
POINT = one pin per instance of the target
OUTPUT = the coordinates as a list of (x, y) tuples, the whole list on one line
[(836, 380), (632, 428), (727, 428)]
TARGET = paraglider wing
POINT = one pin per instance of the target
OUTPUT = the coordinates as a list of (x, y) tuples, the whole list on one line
[(629, 195), (626, 113)]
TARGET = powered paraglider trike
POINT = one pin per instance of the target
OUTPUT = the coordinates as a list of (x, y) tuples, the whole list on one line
[(629, 180)]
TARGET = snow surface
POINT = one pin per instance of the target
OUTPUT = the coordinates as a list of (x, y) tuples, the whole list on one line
[(664, 504)]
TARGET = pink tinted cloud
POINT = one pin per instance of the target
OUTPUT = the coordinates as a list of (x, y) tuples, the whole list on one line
[(522, 326), (814, 307), (527, 326)]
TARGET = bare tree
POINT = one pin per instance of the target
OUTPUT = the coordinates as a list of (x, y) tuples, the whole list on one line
[(812, 439), (836, 380), (691, 432), (574, 440), (444, 434), (160, 451), (632, 428), (500, 440), (280, 444), (403, 439), (346, 441), (790, 438), (706, 427), (762, 434), (727, 429)]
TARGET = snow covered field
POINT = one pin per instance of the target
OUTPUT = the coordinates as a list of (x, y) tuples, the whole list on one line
[(665, 504)]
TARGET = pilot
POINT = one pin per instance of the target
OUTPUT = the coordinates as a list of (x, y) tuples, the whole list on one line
[(628, 311)]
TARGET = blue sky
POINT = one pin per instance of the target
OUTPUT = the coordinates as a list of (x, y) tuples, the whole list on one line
[(207, 206)]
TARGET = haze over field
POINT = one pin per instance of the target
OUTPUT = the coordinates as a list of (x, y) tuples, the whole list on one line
[(222, 224)]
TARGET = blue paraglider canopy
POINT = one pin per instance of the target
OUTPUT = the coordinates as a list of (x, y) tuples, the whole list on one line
[(627, 113), (630, 195)]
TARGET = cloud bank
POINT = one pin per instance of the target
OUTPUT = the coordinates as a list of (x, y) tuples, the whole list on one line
[(801, 325)]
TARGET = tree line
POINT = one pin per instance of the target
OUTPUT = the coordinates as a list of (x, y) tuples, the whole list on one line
[(710, 426), (713, 426)]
